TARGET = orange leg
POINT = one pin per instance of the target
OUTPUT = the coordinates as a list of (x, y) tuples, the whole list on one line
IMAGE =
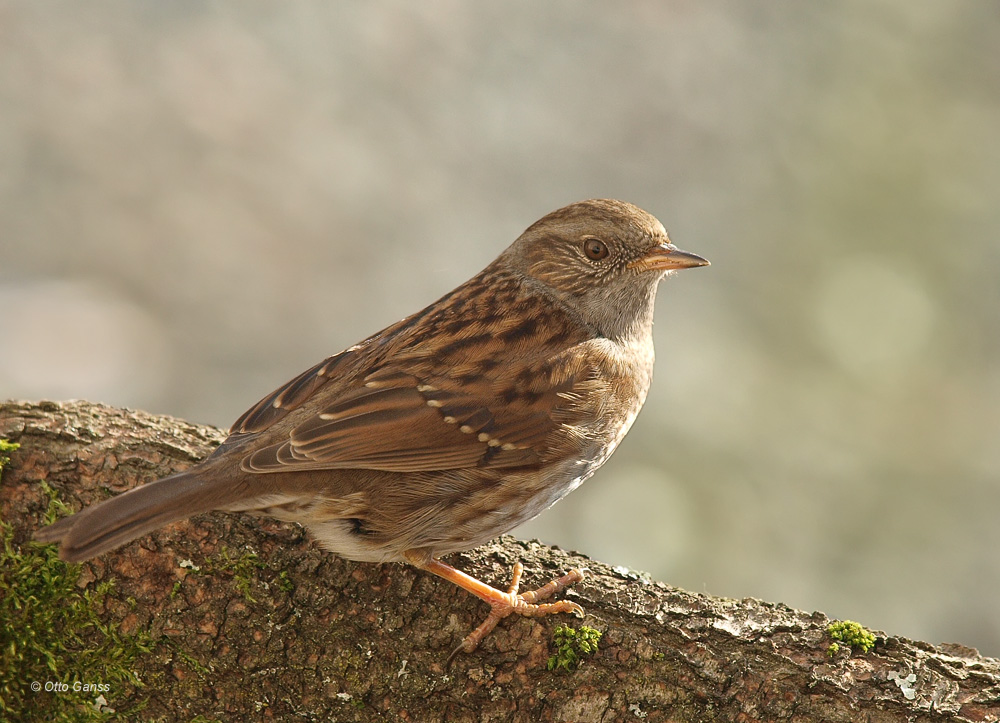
[(502, 603)]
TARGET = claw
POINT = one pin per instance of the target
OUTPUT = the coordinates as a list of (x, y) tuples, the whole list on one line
[(502, 603)]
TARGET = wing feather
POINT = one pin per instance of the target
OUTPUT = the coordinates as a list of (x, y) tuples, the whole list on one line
[(396, 421), (419, 409)]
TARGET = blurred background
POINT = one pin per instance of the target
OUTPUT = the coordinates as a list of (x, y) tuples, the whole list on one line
[(198, 201)]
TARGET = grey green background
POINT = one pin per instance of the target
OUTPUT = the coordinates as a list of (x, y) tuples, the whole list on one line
[(199, 200)]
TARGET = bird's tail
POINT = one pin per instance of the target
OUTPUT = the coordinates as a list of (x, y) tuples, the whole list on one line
[(114, 522)]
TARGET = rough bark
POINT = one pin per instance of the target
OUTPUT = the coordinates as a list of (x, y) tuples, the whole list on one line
[(302, 635)]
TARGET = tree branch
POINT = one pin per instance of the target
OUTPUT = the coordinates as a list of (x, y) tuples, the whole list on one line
[(250, 620)]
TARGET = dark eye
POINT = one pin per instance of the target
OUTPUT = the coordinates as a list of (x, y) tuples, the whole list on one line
[(595, 249)]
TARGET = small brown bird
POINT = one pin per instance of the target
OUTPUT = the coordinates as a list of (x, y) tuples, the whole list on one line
[(450, 427)]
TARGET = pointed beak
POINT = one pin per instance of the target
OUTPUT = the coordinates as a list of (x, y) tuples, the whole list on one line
[(667, 257)]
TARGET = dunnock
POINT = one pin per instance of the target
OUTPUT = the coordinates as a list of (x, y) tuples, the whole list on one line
[(449, 427)]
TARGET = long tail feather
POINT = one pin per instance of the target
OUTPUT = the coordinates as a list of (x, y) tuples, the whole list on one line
[(119, 520)]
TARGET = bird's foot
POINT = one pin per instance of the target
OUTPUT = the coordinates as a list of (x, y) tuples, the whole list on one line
[(526, 604), (502, 604)]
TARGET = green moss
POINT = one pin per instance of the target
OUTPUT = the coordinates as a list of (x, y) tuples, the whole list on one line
[(6, 447), (852, 634), (203, 671), (571, 645), (243, 567), (51, 635), (244, 570)]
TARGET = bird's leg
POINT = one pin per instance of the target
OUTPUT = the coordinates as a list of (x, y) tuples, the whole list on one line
[(502, 603)]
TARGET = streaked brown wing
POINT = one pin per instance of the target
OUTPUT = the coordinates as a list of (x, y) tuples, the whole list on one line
[(395, 421), (290, 395)]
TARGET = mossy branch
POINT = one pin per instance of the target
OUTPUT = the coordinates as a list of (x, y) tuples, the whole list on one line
[(226, 617)]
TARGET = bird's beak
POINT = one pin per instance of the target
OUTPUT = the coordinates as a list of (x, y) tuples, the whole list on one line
[(667, 257)]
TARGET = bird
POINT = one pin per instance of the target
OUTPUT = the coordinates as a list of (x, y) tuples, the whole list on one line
[(450, 427)]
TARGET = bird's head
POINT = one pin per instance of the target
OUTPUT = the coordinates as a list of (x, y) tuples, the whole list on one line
[(604, 259)]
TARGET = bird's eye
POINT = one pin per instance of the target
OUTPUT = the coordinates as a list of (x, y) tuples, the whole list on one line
[(594, 248)]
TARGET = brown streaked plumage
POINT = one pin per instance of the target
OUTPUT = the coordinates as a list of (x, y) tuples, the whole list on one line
[(449, 427)]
